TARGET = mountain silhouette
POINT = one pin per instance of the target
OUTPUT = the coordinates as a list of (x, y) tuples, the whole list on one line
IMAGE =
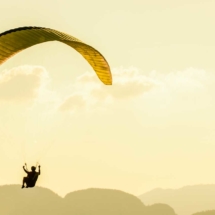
[(212, 212), (160, 209), (37, 201), (186, 200), (103, 202), (42, 201)]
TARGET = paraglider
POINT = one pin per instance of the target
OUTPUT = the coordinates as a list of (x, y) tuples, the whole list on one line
[(15, 40), (18, 39), (31, 179)]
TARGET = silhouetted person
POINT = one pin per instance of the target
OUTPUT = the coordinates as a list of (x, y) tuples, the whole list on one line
[(31, 178)]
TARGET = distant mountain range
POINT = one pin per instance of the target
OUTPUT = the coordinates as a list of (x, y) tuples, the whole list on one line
[(42, 201), (211, 212), (189, 200), (186, 200)]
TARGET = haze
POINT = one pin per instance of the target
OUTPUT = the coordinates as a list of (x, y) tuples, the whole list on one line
[(154, 127)]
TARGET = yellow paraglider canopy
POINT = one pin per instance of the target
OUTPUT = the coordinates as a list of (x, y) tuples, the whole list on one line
[(18, 39)]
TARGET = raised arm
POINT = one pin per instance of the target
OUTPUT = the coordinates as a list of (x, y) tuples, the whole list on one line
[(39, 171), (25, 169)]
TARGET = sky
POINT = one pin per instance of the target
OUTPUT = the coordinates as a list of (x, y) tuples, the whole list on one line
[(154, 127)]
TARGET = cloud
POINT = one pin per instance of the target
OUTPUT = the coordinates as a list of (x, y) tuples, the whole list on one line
[(188, 80), (73, 102), (22, 83), (127, 84)]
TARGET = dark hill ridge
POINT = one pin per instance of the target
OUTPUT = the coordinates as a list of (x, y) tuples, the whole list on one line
[(161, 209), (42, 201), (186, 200), (103, 201), (14, 200)]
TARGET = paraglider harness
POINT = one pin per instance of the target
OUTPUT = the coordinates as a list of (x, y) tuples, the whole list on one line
[(32, 180)]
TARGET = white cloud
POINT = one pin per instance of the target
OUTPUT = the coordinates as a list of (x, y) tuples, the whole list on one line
[(188, 80), (127, 84), (26, 83), (131, 84), (22, 83)]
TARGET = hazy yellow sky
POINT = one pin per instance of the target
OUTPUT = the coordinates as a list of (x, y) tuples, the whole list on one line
[(154, 127)]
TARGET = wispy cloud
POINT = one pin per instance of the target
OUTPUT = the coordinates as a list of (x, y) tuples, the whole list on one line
[(131, 83), (22, 83), (30, 83), (127, 84), (187, 80), (73, 102)]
